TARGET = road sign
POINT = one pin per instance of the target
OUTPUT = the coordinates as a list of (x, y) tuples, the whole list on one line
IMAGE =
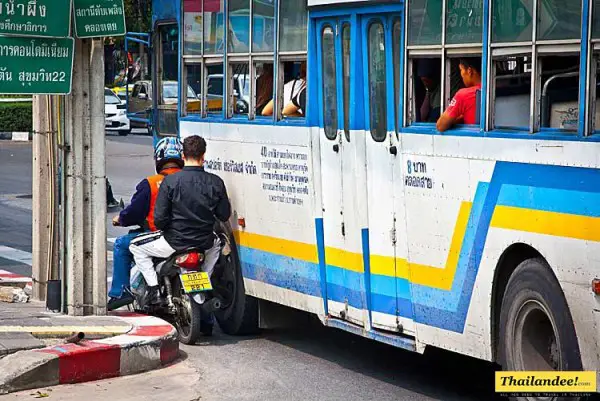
[(48, 18), (98, 18), (35, 65)]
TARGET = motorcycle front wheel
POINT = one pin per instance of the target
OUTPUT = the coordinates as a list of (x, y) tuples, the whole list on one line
[(188, 319)]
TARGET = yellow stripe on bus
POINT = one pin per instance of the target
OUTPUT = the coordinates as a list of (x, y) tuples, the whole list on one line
[(549, 223), (278, 246)]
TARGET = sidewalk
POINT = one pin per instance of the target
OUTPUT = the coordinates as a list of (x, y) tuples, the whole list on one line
[(34, 353)]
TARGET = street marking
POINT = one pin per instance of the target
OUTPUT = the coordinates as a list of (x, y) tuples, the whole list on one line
[(16, 255)]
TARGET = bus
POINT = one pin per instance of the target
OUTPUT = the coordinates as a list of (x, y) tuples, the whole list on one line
[(482, 240)]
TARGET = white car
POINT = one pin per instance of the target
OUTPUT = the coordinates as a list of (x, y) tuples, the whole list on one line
[(115, 113)]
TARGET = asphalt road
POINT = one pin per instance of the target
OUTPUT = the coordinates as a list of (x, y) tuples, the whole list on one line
[(304, 362)]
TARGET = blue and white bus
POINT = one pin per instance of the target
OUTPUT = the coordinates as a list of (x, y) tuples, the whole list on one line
[(483, 240)]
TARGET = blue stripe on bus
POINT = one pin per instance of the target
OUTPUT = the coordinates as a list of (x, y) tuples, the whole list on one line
[(550, 200)]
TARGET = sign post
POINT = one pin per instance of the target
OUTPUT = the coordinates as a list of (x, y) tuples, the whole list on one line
[(97, 18), (36, 65), (45, 18)]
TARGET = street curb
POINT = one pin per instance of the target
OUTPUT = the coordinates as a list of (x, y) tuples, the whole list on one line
[(16, 136), (150, 344)]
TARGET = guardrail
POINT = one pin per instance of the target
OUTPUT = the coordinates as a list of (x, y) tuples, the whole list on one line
[(15, 100)]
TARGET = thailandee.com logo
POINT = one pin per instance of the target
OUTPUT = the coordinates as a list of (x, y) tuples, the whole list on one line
[(549, 384)]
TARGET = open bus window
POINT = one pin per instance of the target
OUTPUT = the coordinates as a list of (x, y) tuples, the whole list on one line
[(214, 89), (559, 83), (293, 100), (239, 89), (193, 73), (511, 92), (263, 86), (425, 99)]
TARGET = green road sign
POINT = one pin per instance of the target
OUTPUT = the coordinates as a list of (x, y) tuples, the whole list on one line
[(97, 18), (48, 18), (35, 65)]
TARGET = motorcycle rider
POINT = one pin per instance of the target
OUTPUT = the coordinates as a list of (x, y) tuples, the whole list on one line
[(168, 160), (186, 210)]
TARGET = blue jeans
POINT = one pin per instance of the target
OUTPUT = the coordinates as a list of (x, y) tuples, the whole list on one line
[(122, 263)]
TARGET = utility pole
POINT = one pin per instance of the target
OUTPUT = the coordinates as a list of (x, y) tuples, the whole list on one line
[(85, 223), (44, 197)]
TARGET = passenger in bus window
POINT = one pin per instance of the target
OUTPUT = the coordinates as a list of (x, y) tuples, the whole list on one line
[(429, 71), (463, 107), (264, 88), (298, 104), (290, 90)]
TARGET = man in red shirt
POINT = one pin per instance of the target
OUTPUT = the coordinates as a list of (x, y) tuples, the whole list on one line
[(463, 107)]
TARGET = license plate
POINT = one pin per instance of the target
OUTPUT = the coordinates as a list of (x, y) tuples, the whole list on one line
[(195, 282)]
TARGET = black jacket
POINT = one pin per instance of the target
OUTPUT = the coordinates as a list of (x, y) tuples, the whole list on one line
[(187, 206)]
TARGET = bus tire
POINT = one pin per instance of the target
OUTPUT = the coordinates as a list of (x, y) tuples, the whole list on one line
[(241, 317), (536, 328)]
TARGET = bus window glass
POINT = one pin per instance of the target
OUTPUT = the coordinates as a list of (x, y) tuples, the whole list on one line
[(559, 19), (559, 106), (263, 26), (596, 20), (425, 22), (264, 87), (426, 89), (512, 21), (396, 33), (194, 83), (213, 26), (377, 82), (214, 89), (464, 22), (192, 23), (293, 17), (346, 76), (512, 92), (239, 26), (329, 83), (169, 47), (240, 89)]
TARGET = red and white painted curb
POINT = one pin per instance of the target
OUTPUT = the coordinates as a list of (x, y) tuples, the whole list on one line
[(15, 280), (150, 344)]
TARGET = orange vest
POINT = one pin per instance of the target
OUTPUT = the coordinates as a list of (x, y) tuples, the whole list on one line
[(155, 181)]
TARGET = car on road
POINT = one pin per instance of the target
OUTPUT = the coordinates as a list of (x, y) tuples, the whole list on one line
[(115, 114)]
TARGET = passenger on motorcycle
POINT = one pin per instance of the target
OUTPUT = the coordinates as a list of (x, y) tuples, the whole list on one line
[(186, 210), (168, 159)]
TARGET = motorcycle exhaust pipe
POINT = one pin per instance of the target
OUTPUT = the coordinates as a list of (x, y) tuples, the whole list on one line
[(211, 305)]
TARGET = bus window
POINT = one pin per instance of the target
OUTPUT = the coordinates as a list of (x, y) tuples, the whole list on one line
[(192, 24), (330, 117), (512, 92), (566, 15), (263, 24), (293, 17), (239, 89), (559, 101), (294, 76), (426, 90), (464, 22), (239, 26), (346, 77), (193, 75), (377, 82), (263, 86), (396, 34), (214, 89), (213, 26)]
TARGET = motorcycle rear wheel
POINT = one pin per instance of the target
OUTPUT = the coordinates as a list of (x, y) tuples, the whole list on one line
[(188, 320)]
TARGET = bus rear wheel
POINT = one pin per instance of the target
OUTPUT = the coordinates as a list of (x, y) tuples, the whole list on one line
[(536, 328)]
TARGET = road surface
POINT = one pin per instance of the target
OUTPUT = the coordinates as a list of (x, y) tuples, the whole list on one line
[(304, 362)]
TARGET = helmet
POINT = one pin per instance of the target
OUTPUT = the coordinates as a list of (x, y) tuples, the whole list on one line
[(168, 150)]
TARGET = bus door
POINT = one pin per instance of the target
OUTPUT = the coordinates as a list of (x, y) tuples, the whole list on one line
[(165, 91), (346, 296), (390, 299)]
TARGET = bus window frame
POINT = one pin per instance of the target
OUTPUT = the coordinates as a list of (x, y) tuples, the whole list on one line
[(537, 50), (445, 52), (226, 58)]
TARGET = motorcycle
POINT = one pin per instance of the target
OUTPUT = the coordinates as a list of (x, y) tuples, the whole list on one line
[(188, 296)]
